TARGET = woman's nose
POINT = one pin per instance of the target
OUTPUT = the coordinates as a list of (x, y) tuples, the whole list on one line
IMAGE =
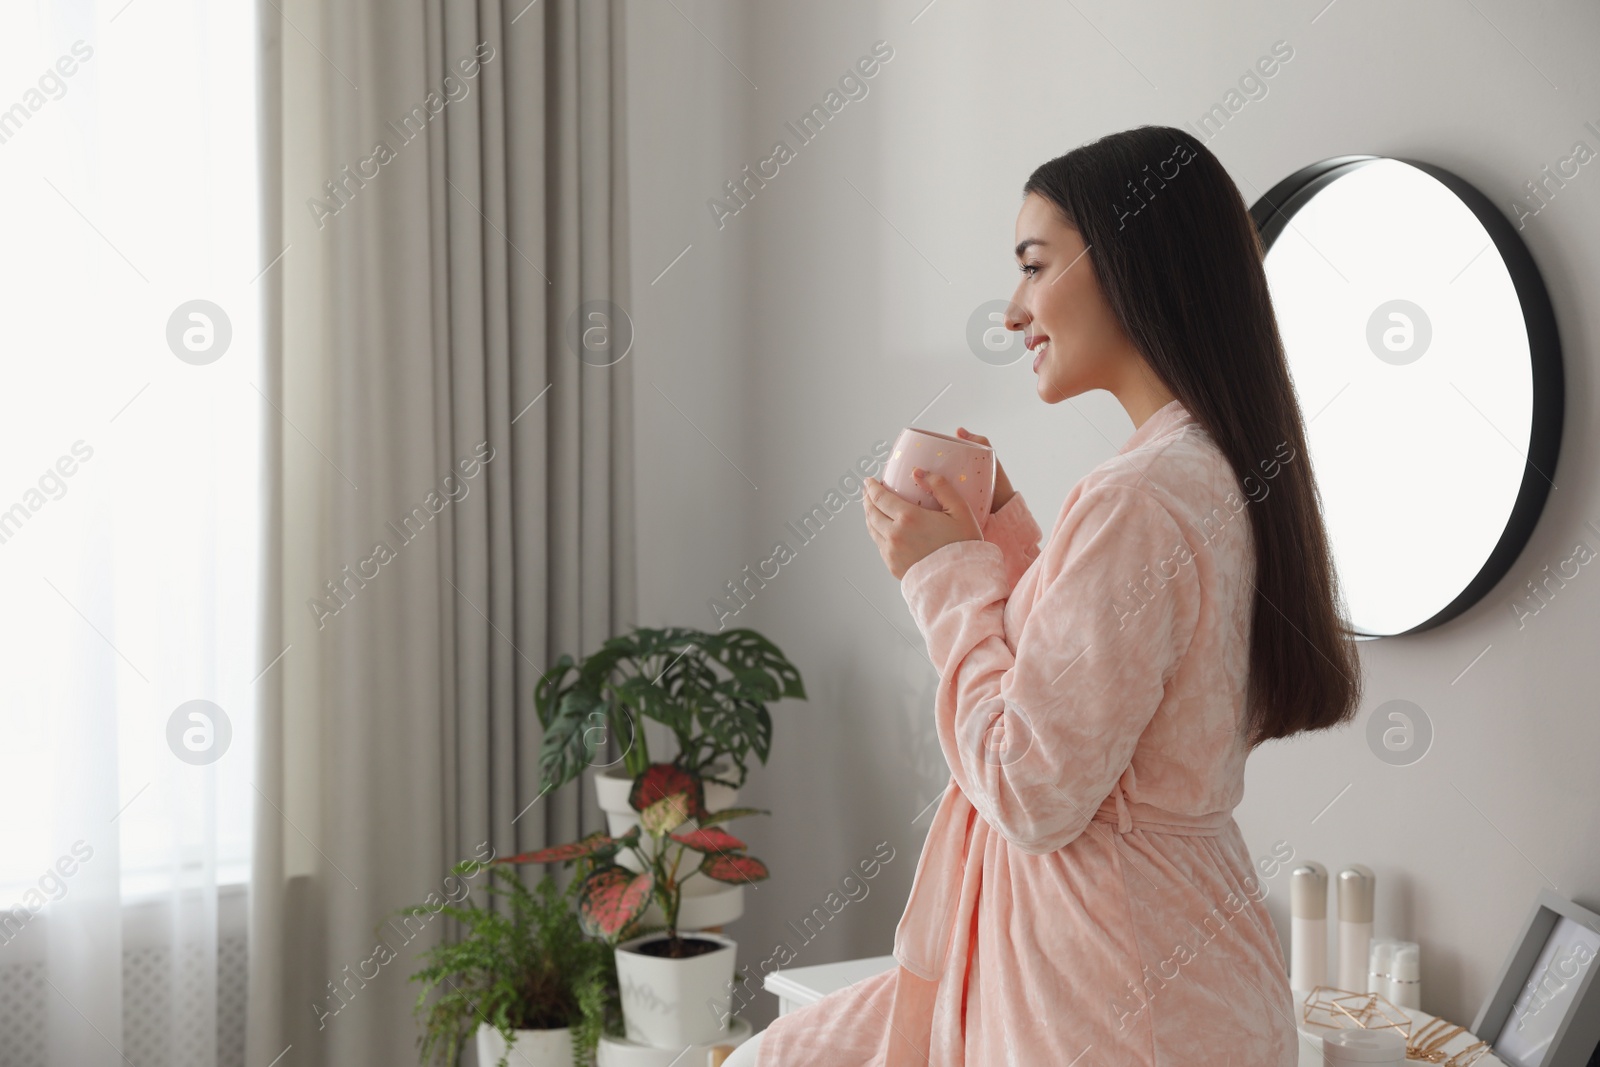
[(1016, 316)]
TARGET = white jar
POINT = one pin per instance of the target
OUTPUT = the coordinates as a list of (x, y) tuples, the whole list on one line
[(1368, 1048)]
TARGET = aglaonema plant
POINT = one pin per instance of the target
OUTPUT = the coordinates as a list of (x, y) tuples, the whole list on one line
[(612, 898)]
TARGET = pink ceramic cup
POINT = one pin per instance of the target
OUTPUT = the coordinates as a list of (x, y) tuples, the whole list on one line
[(968, 465)]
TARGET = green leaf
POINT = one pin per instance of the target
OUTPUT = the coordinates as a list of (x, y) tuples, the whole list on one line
[(739, 725), (755, 683), (526, 964), (550, 688), (646, 698), (569, 741), (748, 648), (715, 817), (599, 666)]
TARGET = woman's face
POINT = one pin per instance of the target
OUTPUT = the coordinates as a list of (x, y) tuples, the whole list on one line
[(1076, 341)]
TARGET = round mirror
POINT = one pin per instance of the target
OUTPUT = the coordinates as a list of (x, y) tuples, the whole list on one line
[(1425, 358)]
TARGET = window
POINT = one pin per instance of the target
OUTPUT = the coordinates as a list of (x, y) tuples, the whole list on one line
[(129, 446)]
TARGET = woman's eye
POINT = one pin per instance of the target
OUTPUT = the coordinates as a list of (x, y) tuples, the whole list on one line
[(1028, 268)]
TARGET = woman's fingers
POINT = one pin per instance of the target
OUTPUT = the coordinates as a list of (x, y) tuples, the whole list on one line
[(878, 520), (962, 431), (976, 438), (884, 500)]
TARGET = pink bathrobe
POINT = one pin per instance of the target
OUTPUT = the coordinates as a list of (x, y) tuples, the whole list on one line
[(1084, 896)]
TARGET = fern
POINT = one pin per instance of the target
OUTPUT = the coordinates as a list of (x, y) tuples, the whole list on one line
[(528, 966)]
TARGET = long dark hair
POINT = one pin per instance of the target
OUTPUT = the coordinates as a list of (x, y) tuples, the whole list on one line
[(1180, 263)]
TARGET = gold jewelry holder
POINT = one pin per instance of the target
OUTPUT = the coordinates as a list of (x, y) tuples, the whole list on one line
[(1339, 1009)]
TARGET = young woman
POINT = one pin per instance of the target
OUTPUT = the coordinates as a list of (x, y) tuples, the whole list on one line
[(1084, 895)]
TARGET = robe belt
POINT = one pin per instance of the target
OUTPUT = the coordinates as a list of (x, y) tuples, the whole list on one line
[(922, 938), (1129, 816)]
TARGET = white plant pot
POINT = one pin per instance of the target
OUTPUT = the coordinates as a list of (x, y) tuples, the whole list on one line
[(611, 788), (706, 902), (671, 1003), (532, 1048)]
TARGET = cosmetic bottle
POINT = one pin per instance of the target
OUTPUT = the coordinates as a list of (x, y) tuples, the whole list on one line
[(1308, 926), (1356, 889), (1381, 957), (1405, 976)]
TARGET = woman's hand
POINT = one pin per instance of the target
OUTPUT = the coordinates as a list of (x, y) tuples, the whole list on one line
[(1002, 485), (905, 532)]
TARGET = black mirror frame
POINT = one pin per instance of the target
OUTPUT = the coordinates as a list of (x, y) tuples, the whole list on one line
[(1271, 214)]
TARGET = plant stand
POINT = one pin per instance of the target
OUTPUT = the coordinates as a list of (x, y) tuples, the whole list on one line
[(620, 1052)]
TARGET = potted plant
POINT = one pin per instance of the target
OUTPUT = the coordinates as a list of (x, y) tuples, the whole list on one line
[(710, 689), (526, 977), (675, 989)]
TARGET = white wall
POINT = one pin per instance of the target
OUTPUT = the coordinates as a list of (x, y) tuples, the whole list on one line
[(832, 309)]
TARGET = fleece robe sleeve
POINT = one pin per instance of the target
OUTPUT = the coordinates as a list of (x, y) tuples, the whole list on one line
[(1036, 740), (1013, 528)]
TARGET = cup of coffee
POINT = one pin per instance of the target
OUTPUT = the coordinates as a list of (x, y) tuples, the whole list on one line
[(967, 465)]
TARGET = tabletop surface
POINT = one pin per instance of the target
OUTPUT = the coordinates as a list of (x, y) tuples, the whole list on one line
[(807, 985)]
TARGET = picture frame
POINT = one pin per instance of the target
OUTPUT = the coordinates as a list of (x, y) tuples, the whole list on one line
[(1544, 1008)]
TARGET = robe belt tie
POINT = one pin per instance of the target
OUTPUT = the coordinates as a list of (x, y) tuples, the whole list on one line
[(1128, 816)]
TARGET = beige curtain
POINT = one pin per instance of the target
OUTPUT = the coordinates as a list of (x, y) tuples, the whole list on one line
[(451, 493)]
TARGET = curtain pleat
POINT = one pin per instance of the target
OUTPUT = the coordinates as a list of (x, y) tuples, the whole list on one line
[(418, 331)]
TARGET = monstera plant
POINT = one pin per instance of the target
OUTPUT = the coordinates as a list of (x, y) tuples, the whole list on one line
[(665, 976), (710, 690)]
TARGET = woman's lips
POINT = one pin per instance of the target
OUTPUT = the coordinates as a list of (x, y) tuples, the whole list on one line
[(1038, 355)]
